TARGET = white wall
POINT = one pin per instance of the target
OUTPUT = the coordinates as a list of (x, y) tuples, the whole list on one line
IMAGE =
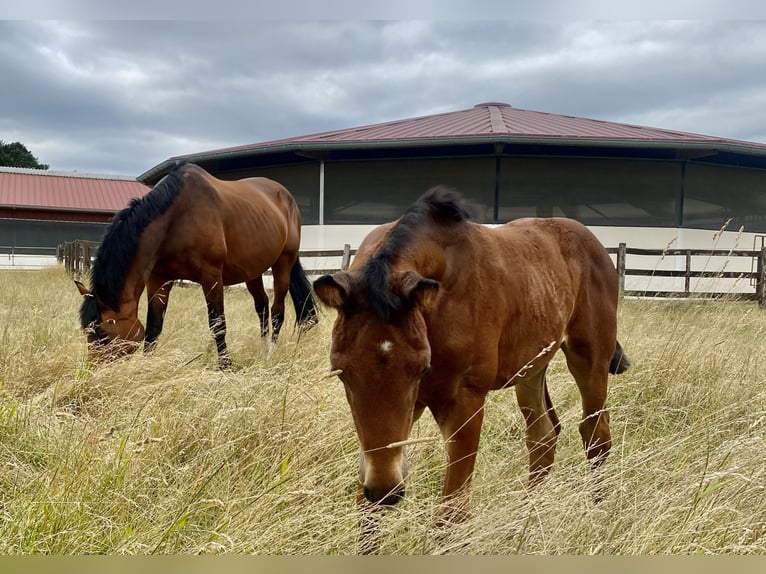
[(335, 236)]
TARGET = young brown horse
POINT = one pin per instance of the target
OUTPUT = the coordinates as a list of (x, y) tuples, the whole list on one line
[(436, 311), (197, 227)]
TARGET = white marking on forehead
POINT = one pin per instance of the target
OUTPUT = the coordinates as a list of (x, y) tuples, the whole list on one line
[(386, 346)]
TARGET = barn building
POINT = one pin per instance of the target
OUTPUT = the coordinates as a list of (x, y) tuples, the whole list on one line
[(629, 183), (40, 209)]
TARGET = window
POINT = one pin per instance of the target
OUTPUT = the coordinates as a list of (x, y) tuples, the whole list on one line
[(372, 192), (715, 194), (592, 191)]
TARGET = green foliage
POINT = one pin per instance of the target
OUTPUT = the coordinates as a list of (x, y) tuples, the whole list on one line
[(16, 154)]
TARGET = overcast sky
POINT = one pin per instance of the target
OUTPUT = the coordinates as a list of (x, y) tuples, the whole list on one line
[(119, 97)]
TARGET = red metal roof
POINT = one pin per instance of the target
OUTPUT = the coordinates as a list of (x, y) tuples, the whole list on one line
[(493, 120), (487, 122), (66, 191)]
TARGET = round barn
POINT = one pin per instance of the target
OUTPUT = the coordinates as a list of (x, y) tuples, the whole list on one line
[(513, 163), (647, 187)]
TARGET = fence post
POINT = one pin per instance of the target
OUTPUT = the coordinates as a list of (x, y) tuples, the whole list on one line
[(687, 277), (346, 260), (760, 281), (79, 255), (69, 257), (621, 256), (88, 249)]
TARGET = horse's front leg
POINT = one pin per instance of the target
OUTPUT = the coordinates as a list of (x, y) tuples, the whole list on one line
[(158, 293), (460, 423), (213, 290)]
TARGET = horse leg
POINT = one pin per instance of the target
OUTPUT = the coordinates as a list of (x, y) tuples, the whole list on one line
[(589, 366), (460, 423), (542, 424), (213, 289), (158, 293), (261, 300), (281, 274)]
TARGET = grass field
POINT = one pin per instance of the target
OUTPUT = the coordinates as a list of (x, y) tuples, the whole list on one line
[(165, 454)]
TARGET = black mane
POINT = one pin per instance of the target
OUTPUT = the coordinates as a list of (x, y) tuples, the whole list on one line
[(440, 205), (120, 242)]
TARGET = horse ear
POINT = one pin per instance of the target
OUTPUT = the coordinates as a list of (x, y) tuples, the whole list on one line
[(417, 289), (83, 289), (332, 290)]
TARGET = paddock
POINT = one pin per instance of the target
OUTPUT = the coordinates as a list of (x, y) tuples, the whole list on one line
[(166, 454)]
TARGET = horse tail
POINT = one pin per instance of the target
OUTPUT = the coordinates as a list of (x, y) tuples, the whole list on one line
[(620, 361), (303, 300)]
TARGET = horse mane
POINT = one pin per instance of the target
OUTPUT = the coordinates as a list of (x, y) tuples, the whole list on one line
[(119, 244), (439, 205)]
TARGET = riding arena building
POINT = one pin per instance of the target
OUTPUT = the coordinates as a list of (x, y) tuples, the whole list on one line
[(646, 187)]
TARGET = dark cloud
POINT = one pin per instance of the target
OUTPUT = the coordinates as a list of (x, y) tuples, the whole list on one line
[(121, 96)]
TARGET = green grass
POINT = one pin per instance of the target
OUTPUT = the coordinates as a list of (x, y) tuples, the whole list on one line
[(165, 454)]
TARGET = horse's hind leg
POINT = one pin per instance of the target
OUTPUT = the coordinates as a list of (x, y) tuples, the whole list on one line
[(281, 273), (542, 424), (589, 364), (261, 300)]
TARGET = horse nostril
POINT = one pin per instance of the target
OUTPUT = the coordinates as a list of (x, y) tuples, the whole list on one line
[(393, 498), (386, 499)]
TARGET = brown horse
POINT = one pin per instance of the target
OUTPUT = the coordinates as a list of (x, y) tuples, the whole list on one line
[(437, 310), (194, 226)]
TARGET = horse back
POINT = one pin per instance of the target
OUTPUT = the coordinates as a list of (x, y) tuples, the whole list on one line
[(517, 288), (241, 225)]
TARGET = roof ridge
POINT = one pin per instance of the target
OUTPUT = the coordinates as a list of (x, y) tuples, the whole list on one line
[(58, 173)]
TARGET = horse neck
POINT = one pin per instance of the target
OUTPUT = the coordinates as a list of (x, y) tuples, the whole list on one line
[(142, 265), (426, 253)]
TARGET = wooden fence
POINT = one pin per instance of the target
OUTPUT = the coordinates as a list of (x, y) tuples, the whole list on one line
[(77, 257), (756, 276)]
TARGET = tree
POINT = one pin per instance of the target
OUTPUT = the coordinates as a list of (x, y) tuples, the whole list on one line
[(16, 154)]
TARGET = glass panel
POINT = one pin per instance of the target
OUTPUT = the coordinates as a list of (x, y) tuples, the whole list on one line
[(372, 192), (715, 194), (593, 191), (42, 236)]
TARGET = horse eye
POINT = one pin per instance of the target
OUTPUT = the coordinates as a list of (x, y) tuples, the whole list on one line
[(424, 371)]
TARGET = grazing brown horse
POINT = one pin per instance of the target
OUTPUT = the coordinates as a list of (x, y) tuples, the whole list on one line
[(197, 227), (437, 310)]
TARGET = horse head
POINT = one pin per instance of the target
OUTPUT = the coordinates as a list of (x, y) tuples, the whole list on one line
[(380, 360), (111, 334)]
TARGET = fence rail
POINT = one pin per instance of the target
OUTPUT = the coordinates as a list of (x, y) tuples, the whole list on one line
[(756, 276), (77, 257)]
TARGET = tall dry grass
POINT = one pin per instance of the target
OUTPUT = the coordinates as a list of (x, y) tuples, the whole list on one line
[(165, 454)]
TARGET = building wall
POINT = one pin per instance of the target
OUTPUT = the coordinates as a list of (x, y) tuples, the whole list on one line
[(42, 237), (597, 191)]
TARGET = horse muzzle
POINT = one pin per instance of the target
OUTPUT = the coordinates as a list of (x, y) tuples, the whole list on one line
[(385, 488)]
